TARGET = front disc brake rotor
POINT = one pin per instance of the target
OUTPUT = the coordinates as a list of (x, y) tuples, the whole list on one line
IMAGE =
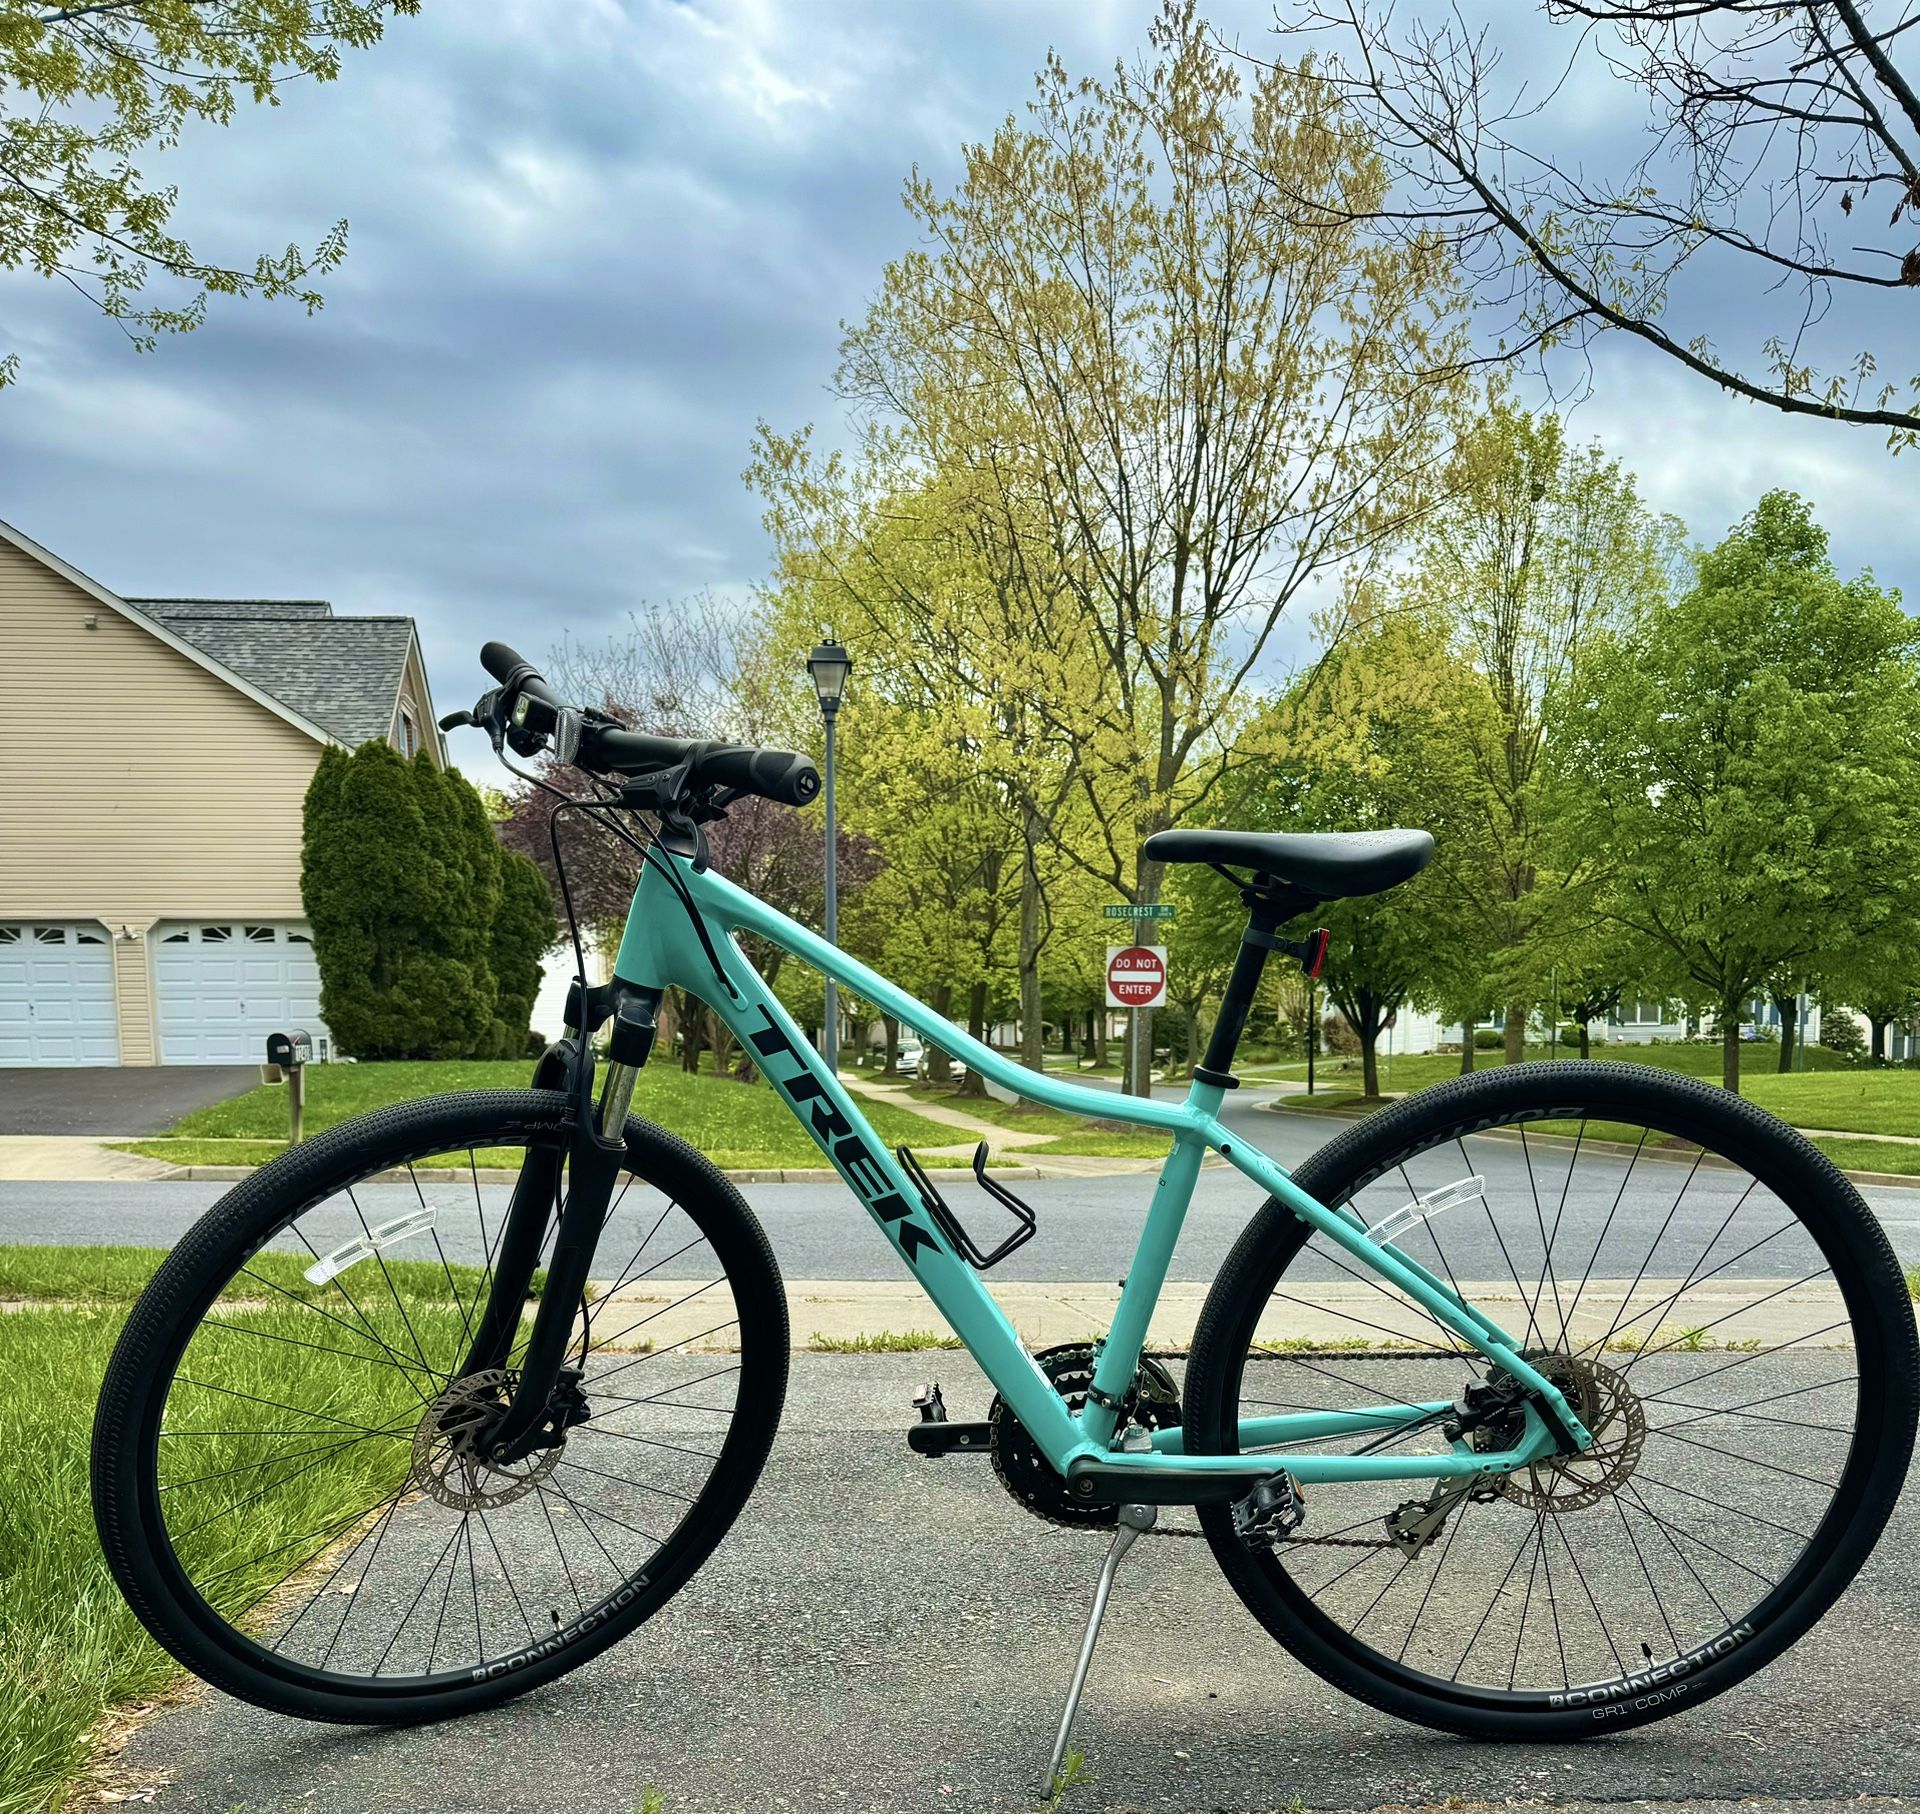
[(446, 1460)]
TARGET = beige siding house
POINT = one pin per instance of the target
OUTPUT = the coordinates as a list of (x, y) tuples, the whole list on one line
[(154, 754)]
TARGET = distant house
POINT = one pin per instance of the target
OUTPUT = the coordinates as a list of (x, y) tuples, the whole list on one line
[(154, 754)]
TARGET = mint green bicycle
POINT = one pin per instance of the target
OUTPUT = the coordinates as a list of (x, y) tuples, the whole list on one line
[(1546, 1402)]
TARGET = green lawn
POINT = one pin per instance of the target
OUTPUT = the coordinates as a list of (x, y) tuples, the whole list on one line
[(1073, 1134), (1852, 1102), (739, 1125), (72, 1649), (1415, 1070)]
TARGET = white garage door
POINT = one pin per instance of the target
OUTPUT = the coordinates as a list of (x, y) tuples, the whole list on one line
[(56, 994), (220, 987)]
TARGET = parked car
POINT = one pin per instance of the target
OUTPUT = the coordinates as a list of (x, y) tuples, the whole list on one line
[(924, 1065), (906, 1061)]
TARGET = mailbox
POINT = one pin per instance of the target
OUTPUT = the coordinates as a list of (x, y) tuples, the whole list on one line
[(287, 1050)]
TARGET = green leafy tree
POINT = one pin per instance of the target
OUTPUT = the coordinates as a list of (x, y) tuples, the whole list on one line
[(1748, 756), (1137, 342), (1541, 547), (85, 90)]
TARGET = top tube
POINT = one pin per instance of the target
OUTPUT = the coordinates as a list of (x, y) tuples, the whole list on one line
[(659, 948)]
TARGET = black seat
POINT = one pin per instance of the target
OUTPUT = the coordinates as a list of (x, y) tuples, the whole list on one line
[(1329, 865)]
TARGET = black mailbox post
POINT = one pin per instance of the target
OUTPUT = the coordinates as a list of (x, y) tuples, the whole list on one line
[(288, 1055)]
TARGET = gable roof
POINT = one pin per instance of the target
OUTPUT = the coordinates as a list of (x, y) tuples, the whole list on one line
[(162, 633), (344, 673)]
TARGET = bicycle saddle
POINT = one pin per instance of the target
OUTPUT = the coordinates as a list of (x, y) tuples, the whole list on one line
[(1329, 865)]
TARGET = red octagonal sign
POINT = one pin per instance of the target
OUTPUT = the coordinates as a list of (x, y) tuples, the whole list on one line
[(1136, 976)]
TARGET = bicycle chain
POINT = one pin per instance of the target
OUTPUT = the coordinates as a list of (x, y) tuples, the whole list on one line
[(1186, 1534)]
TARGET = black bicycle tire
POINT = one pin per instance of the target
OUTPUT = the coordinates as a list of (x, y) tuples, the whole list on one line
[(134, 1391), (1832, 1210)]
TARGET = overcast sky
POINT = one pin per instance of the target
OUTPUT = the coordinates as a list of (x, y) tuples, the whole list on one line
[(591, 245)]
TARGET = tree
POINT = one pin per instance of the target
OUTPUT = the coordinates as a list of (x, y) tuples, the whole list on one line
[(401, 901), (1172, 403), (85, 89), (1783, 157), (1749, 758), (1372, 735), (1539, 547)]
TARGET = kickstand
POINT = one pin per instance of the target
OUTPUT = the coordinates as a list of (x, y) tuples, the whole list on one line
[(1135, 1521)]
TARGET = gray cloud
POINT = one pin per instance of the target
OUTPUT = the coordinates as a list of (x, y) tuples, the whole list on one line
[(591, 245)]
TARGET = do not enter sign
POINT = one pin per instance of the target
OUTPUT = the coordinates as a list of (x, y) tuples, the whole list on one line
[(1136, 976)]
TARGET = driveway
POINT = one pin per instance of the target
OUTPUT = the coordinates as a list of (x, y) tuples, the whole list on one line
[(110, 1100), (885, 1634)]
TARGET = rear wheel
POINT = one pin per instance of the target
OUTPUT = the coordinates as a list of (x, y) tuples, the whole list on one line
[(279, 1478), (1712, 1295)]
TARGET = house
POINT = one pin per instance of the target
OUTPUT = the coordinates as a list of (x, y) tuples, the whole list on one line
[(154, 756)]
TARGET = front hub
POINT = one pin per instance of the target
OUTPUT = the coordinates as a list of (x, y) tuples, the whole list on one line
[(449, 1463)]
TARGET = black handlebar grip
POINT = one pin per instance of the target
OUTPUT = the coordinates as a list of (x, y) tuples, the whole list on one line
[(782, 775), (504, 664)]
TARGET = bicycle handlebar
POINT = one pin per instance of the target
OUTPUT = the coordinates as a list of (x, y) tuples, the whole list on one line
[(590, 742)]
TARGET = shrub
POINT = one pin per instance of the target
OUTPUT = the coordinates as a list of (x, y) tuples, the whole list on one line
[(1341, 1039), (1488, 1039), (418, 917), (1840, 1032)]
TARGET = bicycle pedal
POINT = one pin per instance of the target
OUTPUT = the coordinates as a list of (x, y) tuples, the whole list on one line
[(930, 1404), (947, 1438), (1271, 1512)]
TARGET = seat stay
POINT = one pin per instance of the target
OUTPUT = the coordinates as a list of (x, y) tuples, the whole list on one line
[(663, 946)]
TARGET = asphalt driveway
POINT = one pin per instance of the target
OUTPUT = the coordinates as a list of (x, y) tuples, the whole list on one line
[(110, 1100), (885, 1634)]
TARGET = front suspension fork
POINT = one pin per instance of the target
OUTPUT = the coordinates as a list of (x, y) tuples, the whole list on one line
[(591, 1155)]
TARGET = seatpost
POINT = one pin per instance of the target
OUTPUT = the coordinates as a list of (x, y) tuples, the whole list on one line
[(1267, 910)]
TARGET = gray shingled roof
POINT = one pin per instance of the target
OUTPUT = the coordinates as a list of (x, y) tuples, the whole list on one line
[(343, 673)]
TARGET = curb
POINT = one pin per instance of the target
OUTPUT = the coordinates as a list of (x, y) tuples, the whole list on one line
[(815, 1174), (1884, 1180)]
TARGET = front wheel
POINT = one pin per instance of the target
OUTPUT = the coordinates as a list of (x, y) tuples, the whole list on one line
[(1711, 1294), (279, 1476)]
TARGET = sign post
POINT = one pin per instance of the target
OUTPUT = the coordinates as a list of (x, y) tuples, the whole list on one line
[(1138, 1066), (1136, 979)]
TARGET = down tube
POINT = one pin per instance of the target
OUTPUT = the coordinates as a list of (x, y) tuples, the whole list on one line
[(827, 1111)]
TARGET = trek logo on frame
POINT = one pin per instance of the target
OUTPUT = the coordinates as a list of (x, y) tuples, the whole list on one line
[(849, 1153)]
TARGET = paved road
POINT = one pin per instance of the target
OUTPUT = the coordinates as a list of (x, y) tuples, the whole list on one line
[(884, 1632), (1088, 1226), (112, 1100)]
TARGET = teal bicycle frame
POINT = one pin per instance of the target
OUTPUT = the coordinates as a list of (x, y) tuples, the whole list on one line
[(663, 946)]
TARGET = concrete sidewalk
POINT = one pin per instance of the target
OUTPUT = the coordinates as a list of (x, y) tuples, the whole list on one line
[(886, 1634), (1339, 1313)]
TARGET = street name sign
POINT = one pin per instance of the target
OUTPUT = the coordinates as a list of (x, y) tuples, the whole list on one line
[(1136, 976), (1127, 910)]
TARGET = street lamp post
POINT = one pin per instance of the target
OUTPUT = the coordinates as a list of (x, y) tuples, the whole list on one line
[(829, 665)]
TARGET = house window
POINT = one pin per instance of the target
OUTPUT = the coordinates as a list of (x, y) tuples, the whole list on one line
[(176, 938), (1643, 1014), (9, 935), (50, 935), (259, 935), (409, 737), (215, 935)]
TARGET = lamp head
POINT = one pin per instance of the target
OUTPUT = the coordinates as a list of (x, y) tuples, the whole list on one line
[(829, 664)]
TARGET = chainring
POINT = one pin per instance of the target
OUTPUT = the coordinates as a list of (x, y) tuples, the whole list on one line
[(1154, 1404)]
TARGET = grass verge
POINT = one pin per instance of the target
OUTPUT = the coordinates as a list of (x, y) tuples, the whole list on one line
[(73, 1649), (737, 1125), (1073, 1134), (883, 1341)]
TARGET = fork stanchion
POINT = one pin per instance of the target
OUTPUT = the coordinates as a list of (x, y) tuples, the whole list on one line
[(1135, 1521)]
